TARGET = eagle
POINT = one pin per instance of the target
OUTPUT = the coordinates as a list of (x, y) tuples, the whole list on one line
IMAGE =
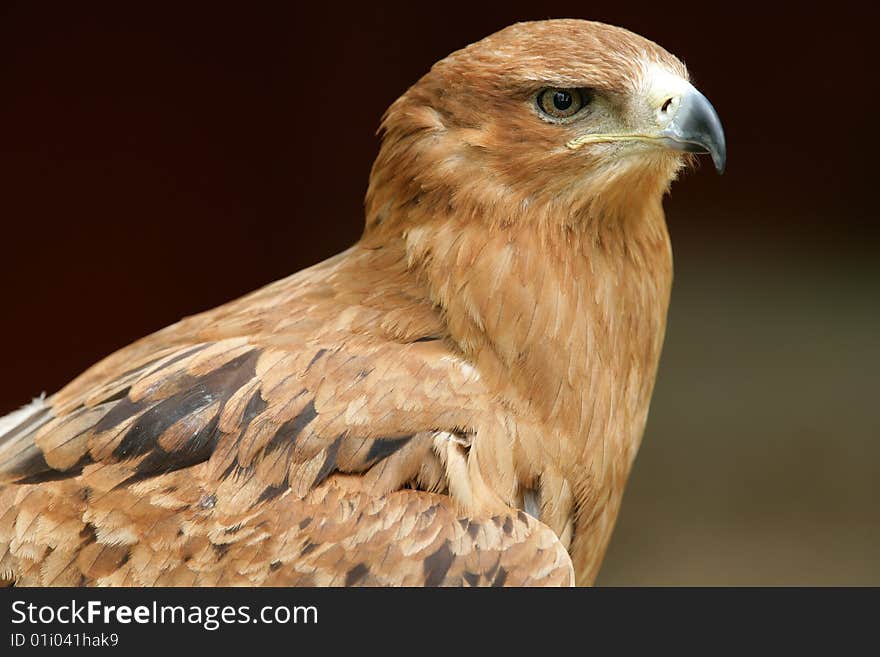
[(455, 400)]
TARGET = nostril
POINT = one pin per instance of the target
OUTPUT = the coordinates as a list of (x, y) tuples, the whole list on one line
[(666, 105)]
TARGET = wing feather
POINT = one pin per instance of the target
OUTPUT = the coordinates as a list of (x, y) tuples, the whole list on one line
[(286, 438)]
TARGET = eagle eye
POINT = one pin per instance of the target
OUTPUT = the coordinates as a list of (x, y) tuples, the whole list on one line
[(560, 103)]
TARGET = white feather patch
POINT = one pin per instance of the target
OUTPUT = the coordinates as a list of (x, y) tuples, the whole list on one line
[(469, 372), (22, 415)]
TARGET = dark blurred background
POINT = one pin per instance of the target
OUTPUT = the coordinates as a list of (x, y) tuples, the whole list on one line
[(158, 161)]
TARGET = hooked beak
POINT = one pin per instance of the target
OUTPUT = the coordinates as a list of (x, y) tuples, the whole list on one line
[(681, 119), (696, 128)]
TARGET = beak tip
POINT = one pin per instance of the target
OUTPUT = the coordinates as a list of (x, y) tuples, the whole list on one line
[(719, 159), (718, 149)]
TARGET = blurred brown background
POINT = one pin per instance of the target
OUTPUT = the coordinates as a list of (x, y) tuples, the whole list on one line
[(159, 161)]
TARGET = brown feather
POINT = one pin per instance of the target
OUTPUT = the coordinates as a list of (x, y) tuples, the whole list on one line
[(376, 419)]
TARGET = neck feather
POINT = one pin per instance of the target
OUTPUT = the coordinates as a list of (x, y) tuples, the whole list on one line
[(566, 320)]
